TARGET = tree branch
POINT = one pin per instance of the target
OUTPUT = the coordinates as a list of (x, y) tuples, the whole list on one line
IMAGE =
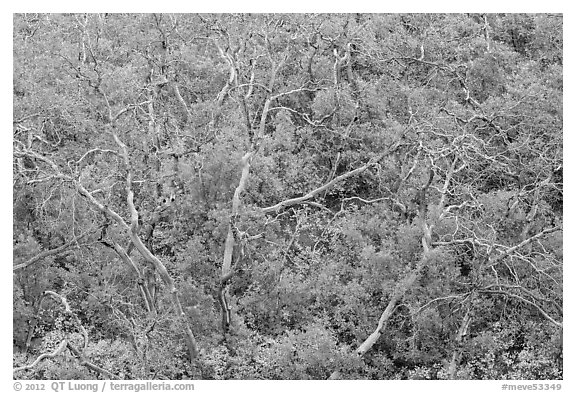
[(66, 343), (54, 251), (544, 313), (141, 282), (295, 201), (151, 258), (85, 362), (522, 244), (69, 311), (43, 356)]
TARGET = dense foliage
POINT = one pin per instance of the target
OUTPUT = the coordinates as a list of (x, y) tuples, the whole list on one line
[(287, 196)]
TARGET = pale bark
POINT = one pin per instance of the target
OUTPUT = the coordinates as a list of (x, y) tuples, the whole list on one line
[(228, 248), (85, 362), (43, 356), (408, 281), (67, 344), (457, 354), (69, 311), (52, 252), (227, 268), (182, 102), (144, 290), (169, 282), (132, 230), (151, 258), (486, 29), (231, 78), (522, 299), (397, 295), (311, 194), (231, 241), (399, 291), (510, 250)]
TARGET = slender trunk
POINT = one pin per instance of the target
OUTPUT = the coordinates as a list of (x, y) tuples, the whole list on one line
[(52, 252), (408, 281), (457, 354), (399, 291), (486, 29), (227, 269), (32, 324), (161, 269), (144, 290), (182, 102), (142, 249), (397, 295), (231, 240)]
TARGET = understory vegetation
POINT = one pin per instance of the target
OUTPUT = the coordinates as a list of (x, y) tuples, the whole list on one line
[(303, 196)]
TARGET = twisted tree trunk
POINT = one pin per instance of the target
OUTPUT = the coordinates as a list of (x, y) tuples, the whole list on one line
[(132, 230)]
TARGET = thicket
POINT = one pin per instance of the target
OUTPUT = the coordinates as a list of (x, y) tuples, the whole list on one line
[(287, 196)]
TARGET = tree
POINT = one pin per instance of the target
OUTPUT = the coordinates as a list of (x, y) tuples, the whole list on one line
[(289, 196)]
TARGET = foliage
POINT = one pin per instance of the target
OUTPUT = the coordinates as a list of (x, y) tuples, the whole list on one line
[(407, 160)]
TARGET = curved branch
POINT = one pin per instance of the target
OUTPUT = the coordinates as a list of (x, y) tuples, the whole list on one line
[(148, 300), (235, 209), (43, 356), (151, 258), (181, 101), (85, 362), (66, 343), (129, 192), (68, 309), (96, 150), (544, 313), (103, 208), (409, 279), (522, 244), (295, 201), (227, 271), (54, 251)]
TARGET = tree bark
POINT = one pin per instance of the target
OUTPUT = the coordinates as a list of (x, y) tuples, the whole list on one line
[(67, 344), (132, 230), (52, 252), (144, 290), (408, 281), (43, 356), (311, 194), (151, 258), (227, 268), (462, 332)]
